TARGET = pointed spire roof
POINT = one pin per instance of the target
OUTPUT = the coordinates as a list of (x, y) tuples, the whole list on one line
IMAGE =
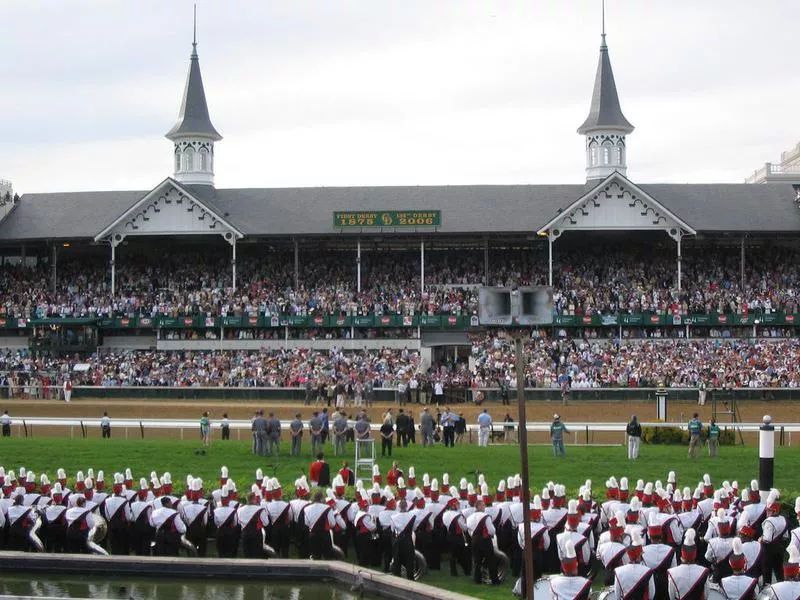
[(193, 119), (605, 112)]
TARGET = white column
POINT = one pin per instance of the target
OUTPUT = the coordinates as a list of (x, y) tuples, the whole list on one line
[(113, 269), (55, 266), (741, 267), (486, 261), (422, 266), (358, 267), (233, 263), (549, 260), (679, 263), (296, 264)]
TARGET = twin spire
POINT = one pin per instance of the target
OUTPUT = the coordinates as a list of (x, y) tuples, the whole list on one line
[(605, 127), (194, 134)]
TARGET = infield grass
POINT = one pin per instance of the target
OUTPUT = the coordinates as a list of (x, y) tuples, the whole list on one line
[(581, 463)]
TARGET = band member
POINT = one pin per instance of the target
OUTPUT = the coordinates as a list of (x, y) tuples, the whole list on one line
[(738, 586), (402, 544), (688, 581), (320, 521), (168, 528), (579, 541), (80, 529), (194, 510), (253, 519), (456, 543), (279, 534), (142, 532), (117, 511), (612, 552), (789, 588), (299, 505), (775, 532), (660, 558), (55, 522), (569, 585), (719, 549), (753, 550), (365, 530), (481, 531), (20, 521), (227, 524), (634, 581)]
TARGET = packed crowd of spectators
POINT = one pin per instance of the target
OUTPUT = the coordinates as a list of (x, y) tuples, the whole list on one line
[(587, 280), (584, 363)]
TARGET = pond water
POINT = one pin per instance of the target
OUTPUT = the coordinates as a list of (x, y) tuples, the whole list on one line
[(75, 586)]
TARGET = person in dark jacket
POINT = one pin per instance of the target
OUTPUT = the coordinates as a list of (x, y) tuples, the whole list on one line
[(634, 431)]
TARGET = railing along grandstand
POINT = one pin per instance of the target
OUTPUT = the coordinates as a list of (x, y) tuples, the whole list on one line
[(580, 431)]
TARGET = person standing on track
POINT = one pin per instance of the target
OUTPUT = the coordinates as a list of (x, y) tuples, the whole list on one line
[(695, 429), (205, 429), (557, 431), (634, 432), (484, 427), (105, 426), (5, 422), (713, 438)]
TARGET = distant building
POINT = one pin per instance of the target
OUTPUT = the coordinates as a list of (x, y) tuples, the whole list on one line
[(786, 171)]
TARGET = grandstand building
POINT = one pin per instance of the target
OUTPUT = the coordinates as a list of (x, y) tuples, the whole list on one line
[(786, 171), (186, 214)]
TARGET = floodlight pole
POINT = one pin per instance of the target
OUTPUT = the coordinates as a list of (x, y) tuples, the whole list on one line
[(522, 419)]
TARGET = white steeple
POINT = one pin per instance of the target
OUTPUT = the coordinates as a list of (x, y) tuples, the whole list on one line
[(193, 134), (606, 127)]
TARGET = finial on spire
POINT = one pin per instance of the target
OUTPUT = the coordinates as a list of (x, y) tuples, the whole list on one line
[(194, 32), (603, 33)]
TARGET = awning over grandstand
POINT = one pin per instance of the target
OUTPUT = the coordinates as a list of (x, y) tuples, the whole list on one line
[(616, 203), (170, 209)]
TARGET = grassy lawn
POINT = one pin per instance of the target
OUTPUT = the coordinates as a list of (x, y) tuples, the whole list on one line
[(595, 463)]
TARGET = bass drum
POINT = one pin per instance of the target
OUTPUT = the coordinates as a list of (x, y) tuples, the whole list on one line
[(420, 567), (715, 592), (503, 567)]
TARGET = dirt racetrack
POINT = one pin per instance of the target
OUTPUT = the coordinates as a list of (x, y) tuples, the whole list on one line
[(589, 411)]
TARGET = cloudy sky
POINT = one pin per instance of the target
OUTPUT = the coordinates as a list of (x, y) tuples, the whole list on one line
[(381, 92)]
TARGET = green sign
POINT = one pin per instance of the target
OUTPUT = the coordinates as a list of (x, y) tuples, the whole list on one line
[(386, 218)]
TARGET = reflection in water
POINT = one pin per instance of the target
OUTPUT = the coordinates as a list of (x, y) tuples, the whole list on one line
[(13, 584)]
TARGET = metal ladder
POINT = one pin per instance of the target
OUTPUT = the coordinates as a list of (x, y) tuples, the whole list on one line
[(365, 459)]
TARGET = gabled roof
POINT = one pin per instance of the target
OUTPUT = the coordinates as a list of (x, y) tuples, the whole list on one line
[(193, 119), (617, 186), (132, 210), (605, 112)]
